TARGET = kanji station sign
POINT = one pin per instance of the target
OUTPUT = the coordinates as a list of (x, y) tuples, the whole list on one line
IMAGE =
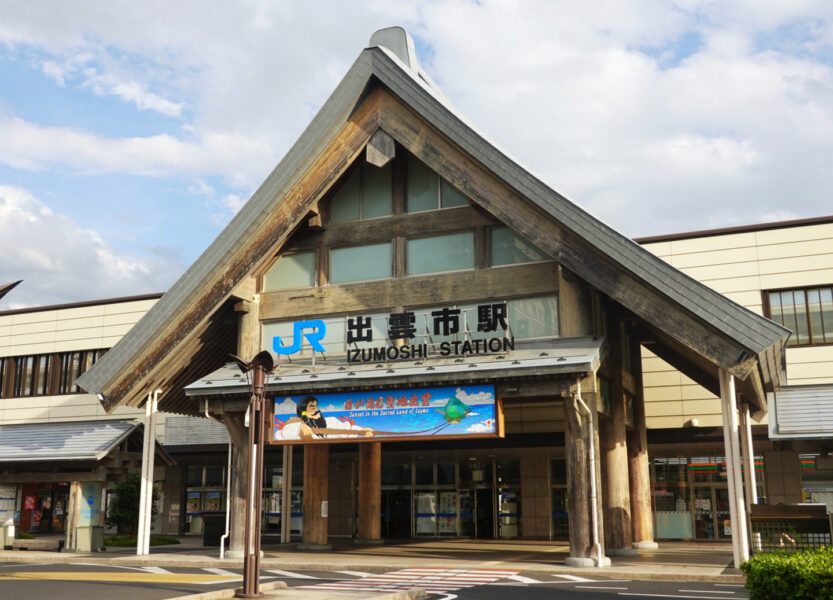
[(404, 341)]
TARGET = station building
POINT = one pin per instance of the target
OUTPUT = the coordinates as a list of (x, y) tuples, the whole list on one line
[(395, 255)]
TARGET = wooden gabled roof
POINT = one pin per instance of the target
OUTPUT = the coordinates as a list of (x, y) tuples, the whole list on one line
[(386, 89)]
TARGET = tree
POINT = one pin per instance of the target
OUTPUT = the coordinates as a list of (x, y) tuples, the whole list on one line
[(123, 509)]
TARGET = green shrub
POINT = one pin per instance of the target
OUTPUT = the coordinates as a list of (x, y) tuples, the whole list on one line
[(23, 535), (791, 575), (127, 541)]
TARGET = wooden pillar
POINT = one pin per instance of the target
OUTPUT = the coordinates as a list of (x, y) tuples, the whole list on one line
[(239, 460), (248, 345), (316, 493), (73, 508), (642, 520), (578, 484), (734, 480), (370, 493), (613, 442)]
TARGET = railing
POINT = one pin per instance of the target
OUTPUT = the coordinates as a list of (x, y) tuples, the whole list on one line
[(789, 527)]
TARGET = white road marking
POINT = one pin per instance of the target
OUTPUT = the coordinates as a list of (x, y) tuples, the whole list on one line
[(522, 579), (355, 573), (290, 574), (672, 596), (598, 587), (574, 578), (157, 570), (217, 571), (705, 591)]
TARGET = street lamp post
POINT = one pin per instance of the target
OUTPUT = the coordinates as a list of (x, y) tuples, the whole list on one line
[(260, 366)]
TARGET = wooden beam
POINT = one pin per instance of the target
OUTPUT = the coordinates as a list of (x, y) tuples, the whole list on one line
[(508, 282), (316, 492), (380, 149), (370, 492)]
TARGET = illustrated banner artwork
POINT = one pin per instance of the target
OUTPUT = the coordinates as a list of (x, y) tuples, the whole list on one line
[(459, 411), (7, 500)]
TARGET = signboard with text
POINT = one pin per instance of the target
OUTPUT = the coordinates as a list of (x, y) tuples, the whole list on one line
[(405, 414), (90, 514)]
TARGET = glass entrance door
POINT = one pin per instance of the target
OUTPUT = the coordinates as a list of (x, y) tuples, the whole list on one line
[(704, 526)]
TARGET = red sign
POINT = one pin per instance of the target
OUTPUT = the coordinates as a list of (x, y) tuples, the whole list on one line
[(29, 502)]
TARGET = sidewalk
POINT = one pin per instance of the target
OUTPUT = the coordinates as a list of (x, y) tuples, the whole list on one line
[(673, 561)]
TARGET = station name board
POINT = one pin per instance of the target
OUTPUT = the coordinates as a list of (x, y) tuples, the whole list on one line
[(402, 331)]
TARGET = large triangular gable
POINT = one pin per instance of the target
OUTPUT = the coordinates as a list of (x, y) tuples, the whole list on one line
[(383, 90)]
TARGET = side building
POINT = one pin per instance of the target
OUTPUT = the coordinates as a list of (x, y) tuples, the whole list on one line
[(54, 438), (783, 271)]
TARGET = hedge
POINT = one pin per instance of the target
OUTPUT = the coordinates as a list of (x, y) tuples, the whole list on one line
[(791, 575)]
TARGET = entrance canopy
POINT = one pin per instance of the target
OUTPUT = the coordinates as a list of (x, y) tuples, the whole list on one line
[(557, 357), (64, 441)]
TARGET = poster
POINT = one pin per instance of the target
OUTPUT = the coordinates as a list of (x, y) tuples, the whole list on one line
[(7, 501), (460, 411), (213, 501), (29, 503), (90, 504), (193, 503)]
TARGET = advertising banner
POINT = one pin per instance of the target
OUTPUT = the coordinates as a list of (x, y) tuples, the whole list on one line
[(7, 502), (426, 413), (90, 504)]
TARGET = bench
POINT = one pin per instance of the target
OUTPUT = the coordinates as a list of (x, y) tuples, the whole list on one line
[(55, 544)]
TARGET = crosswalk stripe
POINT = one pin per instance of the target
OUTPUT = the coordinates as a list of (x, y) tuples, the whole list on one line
[(574, 578), (522, 579), (290, 574), (156, 570), (218, 571)]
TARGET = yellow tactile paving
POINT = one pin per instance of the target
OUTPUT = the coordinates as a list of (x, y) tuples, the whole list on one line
[(133, 577)]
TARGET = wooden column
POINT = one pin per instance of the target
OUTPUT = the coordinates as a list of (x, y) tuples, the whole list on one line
[(617, 515), (239, 460), (370, 493), (578, 482), (316, 493), (248, 345), (642, 520), (73, 508)]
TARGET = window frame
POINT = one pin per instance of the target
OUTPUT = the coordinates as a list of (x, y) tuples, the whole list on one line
[(390, 244), (408, 240), (358, 169), (438, 191), (767, 310), (315, 270), (491, 251)]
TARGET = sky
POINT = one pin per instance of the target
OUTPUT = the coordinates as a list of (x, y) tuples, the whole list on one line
[(131, 132)]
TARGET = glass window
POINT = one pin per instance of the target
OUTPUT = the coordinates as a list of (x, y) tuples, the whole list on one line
[(808, 313), (508, 472), (24, 372), (365, 194), (558, 471), (291, 271), (421, 186), (441, 253), (446, 474), (42, 388), (194, 476), (396, 474), (424, 473), (474, 472), (534, 317), (450, 196), (2, 377), (428, 191), (214, 476), (361, 263), (509, 249)]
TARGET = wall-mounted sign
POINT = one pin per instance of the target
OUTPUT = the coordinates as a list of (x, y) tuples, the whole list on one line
[(428, 413), (7, 501), (445, 331)]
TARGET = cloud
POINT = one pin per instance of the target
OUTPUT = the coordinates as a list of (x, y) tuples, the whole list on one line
[(478, 398), (287, 407), (131, 91), (62, 262), (487, 426)]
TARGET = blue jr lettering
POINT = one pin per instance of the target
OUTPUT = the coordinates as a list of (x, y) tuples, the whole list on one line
[(315, 332)]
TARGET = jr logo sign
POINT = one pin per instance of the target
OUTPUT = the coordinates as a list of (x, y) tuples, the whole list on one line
[(315, 332)]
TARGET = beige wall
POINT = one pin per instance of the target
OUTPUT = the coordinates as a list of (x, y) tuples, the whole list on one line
[(64, 330), (741, 266)]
